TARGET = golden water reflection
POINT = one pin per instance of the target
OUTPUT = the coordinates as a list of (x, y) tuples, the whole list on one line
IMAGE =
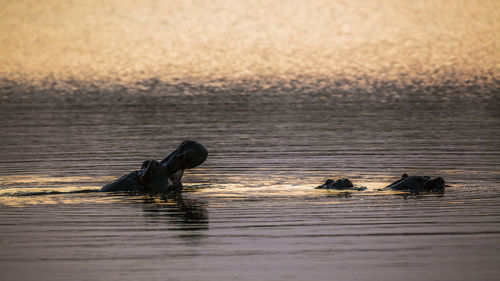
[(26, 190), (168, 40), (45, 179)]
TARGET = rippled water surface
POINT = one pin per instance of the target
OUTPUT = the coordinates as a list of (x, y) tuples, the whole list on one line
[(284, 94), (250, 212)]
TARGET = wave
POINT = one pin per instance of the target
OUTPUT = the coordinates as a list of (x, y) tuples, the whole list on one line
[(26, 192)]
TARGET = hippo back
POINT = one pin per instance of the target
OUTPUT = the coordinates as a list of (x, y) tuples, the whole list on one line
[(417, 184), (129, 182)]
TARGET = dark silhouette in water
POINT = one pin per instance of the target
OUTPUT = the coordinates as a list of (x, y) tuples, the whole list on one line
[(182, 210), (413, 184), (189, 154), (340, 184), (152, 178), (164, 176), (418, 184)]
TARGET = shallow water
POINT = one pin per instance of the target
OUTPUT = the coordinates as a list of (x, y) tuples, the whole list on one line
[(251, 211)]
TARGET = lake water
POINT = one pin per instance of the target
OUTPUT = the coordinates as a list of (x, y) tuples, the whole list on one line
[(250, 212), (284, 94)]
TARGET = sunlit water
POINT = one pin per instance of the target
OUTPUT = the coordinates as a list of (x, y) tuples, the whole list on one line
[(128, 40), (284, 94), (251, 211)]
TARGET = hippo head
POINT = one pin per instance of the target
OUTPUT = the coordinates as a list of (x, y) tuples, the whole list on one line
[(188, 155), (155, 177), (436, 184)]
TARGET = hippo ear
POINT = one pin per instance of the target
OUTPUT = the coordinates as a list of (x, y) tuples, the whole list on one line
[(441, 181), (183, 144), (148, 171), (146, 175), (145, 164)]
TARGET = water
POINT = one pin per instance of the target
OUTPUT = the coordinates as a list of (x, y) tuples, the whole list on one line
[(284, 94), (251, 211), (128, 40)]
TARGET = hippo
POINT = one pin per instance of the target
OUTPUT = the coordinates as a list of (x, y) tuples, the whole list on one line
[(160, 177), (152, 178), (417, 184), (340, 184), (188, 155)]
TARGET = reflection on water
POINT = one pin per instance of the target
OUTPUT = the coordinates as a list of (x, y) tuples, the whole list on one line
[(284, 94), (197, 236), (188, 211), (126, 42), (254, 139), (252, 204)]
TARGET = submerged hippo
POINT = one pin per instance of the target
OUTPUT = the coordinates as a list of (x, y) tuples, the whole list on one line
[(340, 184), (160, 177), (417, 184), (152, 178)]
